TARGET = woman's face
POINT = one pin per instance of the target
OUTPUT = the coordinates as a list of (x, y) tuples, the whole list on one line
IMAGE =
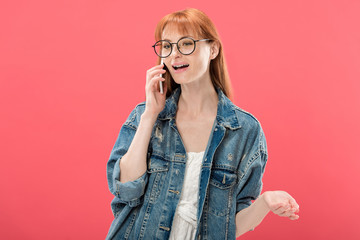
[(198, 61)]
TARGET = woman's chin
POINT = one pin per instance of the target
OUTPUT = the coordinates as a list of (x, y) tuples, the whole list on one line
[(180, 80)]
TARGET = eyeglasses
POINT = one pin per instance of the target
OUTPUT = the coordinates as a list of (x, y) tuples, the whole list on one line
[(185, 45)]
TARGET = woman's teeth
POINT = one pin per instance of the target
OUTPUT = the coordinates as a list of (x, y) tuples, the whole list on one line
[(180, 66)]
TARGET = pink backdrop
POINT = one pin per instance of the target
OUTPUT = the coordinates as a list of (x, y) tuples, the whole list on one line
[(71, 71)]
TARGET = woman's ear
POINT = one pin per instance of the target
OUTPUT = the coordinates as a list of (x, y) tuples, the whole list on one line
[(214, 49)]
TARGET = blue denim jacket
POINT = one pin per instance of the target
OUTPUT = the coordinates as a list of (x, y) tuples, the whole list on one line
[(230, 177)]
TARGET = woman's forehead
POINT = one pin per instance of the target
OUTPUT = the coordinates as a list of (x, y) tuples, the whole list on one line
[(174, 32)]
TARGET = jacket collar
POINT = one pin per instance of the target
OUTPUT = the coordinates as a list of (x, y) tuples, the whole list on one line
[(226, 115)]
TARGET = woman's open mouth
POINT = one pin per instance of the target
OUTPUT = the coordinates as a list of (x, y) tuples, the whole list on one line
[(180, 68)]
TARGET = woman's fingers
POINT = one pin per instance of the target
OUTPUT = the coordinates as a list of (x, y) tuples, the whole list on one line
[(294, 203), (282, 204), (155, 100), (157, 70), (157, 67), (294, 217), (275, 205), (154, 83), (295, 207), (154, 78), (284, 209), (280, 210), (287, 211)]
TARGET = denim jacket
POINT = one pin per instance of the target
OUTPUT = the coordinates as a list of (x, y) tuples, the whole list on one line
[(230, 176)]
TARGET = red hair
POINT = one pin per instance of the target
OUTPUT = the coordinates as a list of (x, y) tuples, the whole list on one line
[(195, 21)]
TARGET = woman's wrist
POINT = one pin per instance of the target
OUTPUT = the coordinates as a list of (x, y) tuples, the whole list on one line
[(148, 116), (263, 197)]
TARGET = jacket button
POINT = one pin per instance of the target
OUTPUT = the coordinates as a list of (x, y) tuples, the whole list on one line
[(215, 129)]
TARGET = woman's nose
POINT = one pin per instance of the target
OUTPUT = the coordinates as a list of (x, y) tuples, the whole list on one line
[(175, 51)]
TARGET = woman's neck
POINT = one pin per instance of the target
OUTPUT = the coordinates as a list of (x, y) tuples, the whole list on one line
[(198, 99)]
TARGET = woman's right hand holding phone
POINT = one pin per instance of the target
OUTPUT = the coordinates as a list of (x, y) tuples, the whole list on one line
[(155, 101)]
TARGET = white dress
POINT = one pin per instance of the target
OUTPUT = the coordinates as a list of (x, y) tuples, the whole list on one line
[(185, 220)]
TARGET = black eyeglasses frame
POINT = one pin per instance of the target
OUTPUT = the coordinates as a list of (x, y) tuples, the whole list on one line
[(177, 45)]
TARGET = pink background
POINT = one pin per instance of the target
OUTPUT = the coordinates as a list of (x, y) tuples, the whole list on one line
[(71, 71)]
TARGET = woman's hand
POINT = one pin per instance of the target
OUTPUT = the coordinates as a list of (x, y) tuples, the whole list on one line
[(155, 101), (282, 204)]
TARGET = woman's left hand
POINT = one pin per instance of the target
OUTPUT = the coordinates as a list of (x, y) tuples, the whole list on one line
[(282, 204)]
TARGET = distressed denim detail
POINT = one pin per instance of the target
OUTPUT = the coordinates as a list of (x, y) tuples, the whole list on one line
[(230, 176), (252, 165), (157, 171)]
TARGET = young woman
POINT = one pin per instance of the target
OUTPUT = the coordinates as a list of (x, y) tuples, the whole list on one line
[(187, 162)]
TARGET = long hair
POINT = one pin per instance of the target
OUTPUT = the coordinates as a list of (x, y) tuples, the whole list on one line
[(194, 20)]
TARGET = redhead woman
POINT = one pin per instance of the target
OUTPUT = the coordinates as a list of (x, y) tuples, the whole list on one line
[(188, 162)]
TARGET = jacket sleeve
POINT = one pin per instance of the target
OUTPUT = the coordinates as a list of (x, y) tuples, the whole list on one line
[(251, 171), (129, 192)]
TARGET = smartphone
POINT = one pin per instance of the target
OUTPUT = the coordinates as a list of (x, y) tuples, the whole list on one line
[(161, 85)]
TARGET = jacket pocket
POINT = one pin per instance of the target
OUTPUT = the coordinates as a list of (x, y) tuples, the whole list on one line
[(221, 185), (158, 168), (157, 164)]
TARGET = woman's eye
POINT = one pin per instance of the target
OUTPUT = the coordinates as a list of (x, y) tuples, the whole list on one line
[(187, 44)]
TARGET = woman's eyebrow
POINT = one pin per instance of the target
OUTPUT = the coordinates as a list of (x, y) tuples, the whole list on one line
[(179, 38)]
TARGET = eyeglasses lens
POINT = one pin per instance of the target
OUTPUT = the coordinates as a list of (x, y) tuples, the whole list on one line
[(186, 45)]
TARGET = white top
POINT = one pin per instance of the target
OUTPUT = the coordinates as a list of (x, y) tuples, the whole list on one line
[(185, 222)]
